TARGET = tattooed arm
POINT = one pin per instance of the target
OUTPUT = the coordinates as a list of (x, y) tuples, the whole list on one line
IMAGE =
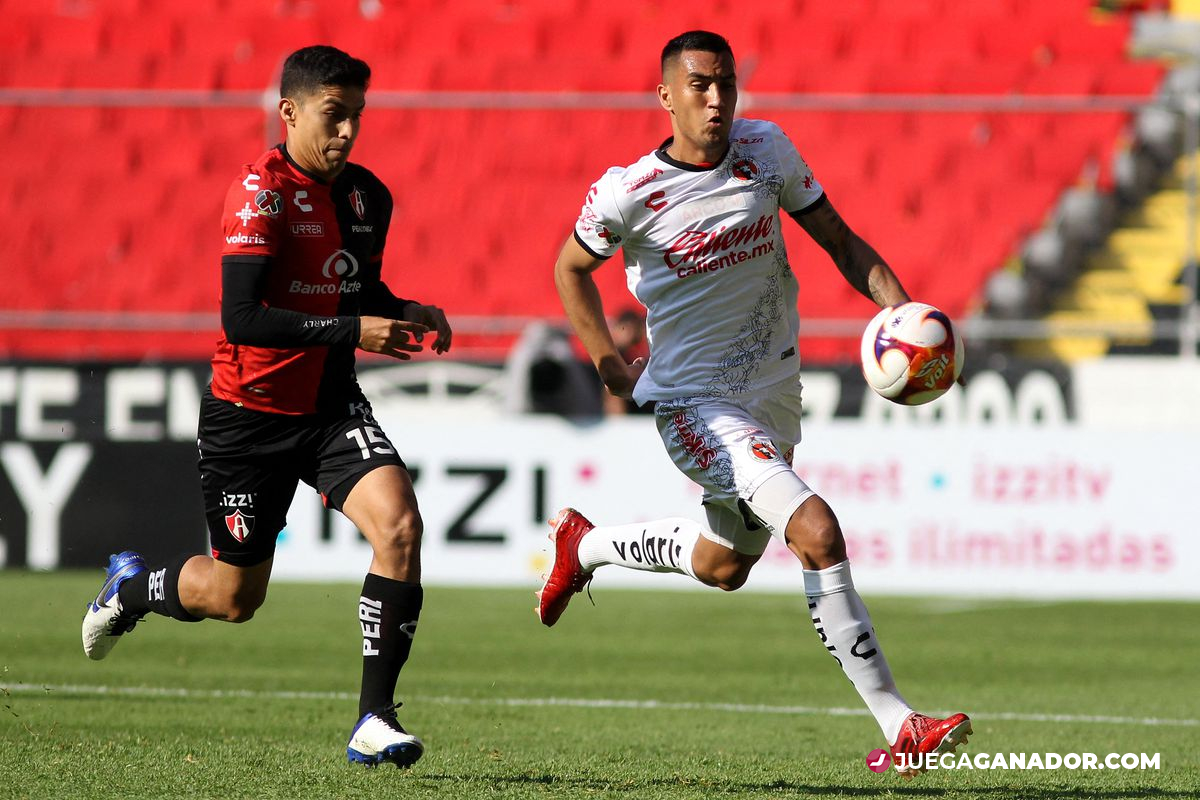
[(862, 267)]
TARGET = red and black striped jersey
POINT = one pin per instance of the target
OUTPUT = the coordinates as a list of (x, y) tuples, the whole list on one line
[(301, 262)]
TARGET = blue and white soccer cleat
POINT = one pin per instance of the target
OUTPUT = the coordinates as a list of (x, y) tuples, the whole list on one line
[(104, 623), (378, 738)]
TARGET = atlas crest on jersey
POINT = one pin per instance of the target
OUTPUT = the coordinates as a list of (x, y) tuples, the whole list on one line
[(358, 202), (240, 525)]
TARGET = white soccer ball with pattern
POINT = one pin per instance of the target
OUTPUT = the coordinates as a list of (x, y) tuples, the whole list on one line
[(911, 353)]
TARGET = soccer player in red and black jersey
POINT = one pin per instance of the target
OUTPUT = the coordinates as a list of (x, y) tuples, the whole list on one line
[(300, 290)]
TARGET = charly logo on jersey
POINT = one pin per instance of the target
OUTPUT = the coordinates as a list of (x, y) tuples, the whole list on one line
[(358, 202), (298, 201), (744, 169), (269, 203)]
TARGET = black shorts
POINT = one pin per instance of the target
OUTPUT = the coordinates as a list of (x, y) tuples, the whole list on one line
[(251, 462)]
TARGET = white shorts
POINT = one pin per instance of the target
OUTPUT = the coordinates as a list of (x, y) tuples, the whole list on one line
[(731, 447)]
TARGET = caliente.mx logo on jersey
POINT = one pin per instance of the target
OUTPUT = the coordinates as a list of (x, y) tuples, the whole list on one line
[(698, 251)]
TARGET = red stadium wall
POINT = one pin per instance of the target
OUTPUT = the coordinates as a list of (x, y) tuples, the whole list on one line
[(490, 120)]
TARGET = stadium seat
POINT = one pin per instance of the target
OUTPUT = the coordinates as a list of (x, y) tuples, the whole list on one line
[(69, 36), (485, 195)]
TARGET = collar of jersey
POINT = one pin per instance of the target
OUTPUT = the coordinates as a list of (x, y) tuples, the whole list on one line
[(661, 152), (312, 176)]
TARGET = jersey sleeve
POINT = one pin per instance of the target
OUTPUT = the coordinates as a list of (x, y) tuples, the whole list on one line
[(600, 228), (377, 299), (253, 217), (383, 222), (800, 186)]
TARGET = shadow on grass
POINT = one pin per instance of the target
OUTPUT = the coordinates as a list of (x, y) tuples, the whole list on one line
[(714, 788)]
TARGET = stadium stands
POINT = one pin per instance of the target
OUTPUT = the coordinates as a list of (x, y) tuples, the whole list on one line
[(1134, 278), (119, 195)]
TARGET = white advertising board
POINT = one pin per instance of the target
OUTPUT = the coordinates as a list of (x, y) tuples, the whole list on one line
[(941, 510)]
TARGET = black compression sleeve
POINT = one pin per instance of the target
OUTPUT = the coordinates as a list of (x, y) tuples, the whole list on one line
[(247, 321), (378, 300)]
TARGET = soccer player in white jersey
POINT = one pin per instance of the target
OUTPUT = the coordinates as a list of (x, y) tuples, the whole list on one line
[(699, 222)]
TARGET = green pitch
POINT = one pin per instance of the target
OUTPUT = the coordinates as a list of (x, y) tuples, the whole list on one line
[(661, 695)]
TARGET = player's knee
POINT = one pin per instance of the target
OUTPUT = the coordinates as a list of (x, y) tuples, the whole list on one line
[(240, 613), (815, 535), (402, 533), (728, 577), (825, 538), (240, 606)]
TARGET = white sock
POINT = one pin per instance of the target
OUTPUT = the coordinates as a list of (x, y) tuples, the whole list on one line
[(845, 628), (662, 545)]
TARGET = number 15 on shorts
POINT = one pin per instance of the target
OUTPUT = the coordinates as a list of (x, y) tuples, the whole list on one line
[(370, 439)]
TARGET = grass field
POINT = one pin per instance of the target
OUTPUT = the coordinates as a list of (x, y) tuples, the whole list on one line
[(661, 695)]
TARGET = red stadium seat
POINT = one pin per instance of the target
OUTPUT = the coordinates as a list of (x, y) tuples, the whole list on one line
[(486, 195), (1066, 79), (63, 36)]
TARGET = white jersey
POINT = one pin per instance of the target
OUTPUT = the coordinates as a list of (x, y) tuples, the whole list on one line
[(704, 254)]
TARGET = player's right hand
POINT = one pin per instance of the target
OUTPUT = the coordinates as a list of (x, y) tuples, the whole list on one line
[(621, 380), (390, 337)]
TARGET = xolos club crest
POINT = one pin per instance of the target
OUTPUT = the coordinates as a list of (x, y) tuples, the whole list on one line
[(744, 169), (762, 449)]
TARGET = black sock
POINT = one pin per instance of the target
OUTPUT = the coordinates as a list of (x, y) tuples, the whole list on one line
[(157, 590), (387, 612)]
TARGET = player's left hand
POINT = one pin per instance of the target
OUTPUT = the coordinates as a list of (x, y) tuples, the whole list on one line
[(433, 318)]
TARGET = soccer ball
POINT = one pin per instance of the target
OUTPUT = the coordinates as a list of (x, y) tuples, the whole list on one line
[(911, 353)]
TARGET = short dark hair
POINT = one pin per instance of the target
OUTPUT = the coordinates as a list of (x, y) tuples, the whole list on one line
[(704, 41), (310, 68)]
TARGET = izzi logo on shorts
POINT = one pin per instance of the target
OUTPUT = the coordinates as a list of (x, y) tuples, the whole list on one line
[(239, 523), (237, 499)]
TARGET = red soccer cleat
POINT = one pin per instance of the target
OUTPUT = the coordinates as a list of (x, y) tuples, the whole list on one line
[(566, 577), (925, 736)]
